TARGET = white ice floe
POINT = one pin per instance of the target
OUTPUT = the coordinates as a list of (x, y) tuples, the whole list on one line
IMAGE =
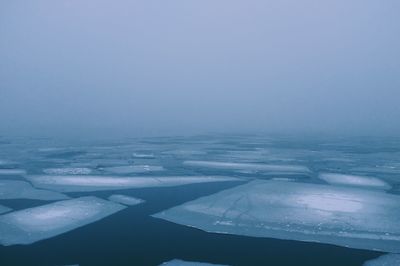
[(385, 260), (126, 200), (354, 180), (12, 172), (4, 209), (78, 183), (68, 171), (15, 189), (131, 169), (34, 224), (351, 217), (187, 263), (143, 155), (271, 168)]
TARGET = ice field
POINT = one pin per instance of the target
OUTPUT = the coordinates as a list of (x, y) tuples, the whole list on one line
[(254, 198)]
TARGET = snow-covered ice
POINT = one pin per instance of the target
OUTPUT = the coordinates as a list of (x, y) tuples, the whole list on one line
[(76, 183), (38, 223), (130, 169), (126, 200), (354, 180), (351, 217), (68, 171), (385, 260), (15, 189), (272, 168), (187, 263)]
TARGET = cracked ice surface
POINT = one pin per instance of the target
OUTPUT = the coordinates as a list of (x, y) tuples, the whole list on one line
[(13, 189), (273, 168), (385, 260), (354, 180), (78, 183), (30, 225), (124, 199), (187, 263), (351, 217)]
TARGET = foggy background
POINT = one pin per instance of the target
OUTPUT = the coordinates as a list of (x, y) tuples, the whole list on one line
[(188, 67)]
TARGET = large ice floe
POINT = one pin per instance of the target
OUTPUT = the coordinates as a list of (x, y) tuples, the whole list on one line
[(351, 217), (4, 209), (34, 224), (68, 171), (15, 189), (12, 172), (126, 200), (354, 180), (269, 168), (76, 183), (131, 169), (187, 263), (385, 260)]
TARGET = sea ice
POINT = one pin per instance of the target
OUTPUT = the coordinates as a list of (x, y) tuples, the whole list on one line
[(68, 171), (15, 189), (351, 217), (38, 223), (4, 209), (126, 200), (12, 172), (76, 183), (143, 155), (187, 263), (271, 168), (354, 180), (130, 169), (385, 260)]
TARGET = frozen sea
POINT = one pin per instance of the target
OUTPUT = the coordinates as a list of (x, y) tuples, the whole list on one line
[(212, 199)]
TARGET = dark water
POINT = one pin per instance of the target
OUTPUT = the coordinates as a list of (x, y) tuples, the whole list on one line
[(133, 237)]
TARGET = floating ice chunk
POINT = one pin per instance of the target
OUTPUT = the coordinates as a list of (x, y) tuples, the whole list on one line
[(129, 169), (187, 263), (385, 260), (351, 217), (354, 180), (126, 200), (274, 168), (143, 155), (34, 224), (68, 171), (15, 189), (12, 172), (93, 183), (4, 209)]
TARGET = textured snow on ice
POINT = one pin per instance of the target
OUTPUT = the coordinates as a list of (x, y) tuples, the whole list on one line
[(354, 180), (76, 183), (68, 171), (126, 200), (187, 263), (15, 189), (274, 168), (130, 169), (12, 172), (351, 217), (385, 260), (30, 225)]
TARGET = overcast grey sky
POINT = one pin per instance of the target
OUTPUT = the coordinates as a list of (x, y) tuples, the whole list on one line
[(185, 67)]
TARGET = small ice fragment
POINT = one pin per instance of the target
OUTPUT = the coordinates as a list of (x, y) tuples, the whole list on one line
[(30, 225), (4, 209), (187, 263), (249, 166), (12, 172), (77, 183), (385, 260), (68, 171), (354, 180), (126, 200), (129, 169), (344, 216), (15, 189), (143, 155)]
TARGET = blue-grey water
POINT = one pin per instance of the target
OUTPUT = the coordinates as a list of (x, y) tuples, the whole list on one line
[(133, 237)]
